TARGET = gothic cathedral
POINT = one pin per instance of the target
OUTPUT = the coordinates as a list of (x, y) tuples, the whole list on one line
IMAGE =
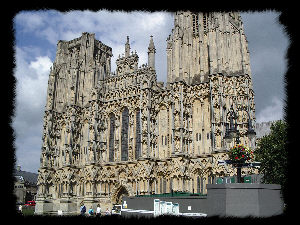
[(107, 133)]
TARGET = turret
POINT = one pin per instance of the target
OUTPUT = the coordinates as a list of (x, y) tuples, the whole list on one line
[(127, 47), (151, 53)]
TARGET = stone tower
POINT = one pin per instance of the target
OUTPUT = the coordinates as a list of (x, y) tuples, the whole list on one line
[(80, 65), (206, 43), (110, 133)]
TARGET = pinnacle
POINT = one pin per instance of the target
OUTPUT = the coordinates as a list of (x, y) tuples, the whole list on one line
[(151, 43)]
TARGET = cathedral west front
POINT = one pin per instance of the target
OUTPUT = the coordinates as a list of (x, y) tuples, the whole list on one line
[(107, 133)]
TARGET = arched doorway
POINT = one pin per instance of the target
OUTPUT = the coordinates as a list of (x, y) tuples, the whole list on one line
[(119, 194)]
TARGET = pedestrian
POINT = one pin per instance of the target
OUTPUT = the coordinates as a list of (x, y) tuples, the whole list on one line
[(98, 211), (82, 209), (20, 208), (107, 212), (91, 211)]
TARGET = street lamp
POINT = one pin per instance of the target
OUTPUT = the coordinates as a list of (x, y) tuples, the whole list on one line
[(232, 132)]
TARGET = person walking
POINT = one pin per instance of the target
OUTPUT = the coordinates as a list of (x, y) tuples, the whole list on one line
[(91, 211), (82, 209), (98, 210), (20, 209), (107, 212)]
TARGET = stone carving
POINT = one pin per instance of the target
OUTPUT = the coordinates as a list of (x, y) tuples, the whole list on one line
[(110, 132)]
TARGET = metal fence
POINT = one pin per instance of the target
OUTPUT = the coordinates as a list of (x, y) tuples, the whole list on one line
[(253, 179), (173, 194)]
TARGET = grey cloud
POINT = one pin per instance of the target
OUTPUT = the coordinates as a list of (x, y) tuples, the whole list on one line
[(267, 44)]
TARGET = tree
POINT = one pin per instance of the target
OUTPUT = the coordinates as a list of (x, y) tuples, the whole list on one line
[(272, 152)]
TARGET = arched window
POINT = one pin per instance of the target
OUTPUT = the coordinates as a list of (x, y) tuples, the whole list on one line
[(198, 184), (124, 135), (112, 138), (138, 135)]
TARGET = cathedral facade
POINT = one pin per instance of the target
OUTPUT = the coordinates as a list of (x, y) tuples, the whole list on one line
[(110, 133)]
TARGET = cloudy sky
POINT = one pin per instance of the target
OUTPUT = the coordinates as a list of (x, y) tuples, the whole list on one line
[(37, 34)]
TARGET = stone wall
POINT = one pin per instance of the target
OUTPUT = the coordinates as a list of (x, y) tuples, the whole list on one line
[(263, 128)]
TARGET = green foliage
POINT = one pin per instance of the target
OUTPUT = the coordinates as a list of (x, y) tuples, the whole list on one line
[(271, 151)]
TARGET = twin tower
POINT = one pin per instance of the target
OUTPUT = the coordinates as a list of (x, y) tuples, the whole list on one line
[(199, 45)]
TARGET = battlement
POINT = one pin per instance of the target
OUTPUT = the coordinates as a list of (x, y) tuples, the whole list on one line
[(84, 46)]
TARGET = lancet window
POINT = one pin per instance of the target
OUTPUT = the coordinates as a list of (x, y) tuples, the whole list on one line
[(199, 184), (124, 135)]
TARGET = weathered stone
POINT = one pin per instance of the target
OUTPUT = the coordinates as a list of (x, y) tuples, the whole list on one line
[(109, 134)]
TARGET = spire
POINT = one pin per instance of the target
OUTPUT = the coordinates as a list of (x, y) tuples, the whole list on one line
[(127, 47)]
